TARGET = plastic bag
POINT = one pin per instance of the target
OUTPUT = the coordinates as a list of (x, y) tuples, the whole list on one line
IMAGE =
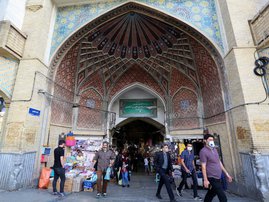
[(107, 176), (112, 173), (94, 177), (44, 178)]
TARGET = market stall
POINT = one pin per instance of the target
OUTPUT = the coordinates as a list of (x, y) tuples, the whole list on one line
[(80, 174)]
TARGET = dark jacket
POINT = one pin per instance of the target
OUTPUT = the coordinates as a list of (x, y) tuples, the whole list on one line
[(159, 160)]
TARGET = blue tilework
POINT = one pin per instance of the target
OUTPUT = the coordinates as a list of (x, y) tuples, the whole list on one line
[(8, 71), (199, 13)]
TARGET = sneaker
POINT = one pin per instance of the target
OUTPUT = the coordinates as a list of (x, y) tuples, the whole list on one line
[(98, 195), (197, 198), (178, 192), (55, 193), (128, 185), (61, 194), (123, 185), (104, 194)]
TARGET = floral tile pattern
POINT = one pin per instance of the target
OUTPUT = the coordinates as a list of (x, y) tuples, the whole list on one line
[(8, 71), (200, 14)]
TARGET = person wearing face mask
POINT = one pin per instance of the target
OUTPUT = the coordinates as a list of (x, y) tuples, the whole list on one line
[(105, 158), (212, 169), (188, 169)]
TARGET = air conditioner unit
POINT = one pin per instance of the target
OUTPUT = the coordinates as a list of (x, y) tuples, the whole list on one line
[(12, 41)]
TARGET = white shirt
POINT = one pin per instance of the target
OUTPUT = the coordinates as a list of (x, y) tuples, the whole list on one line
[(146, 162)]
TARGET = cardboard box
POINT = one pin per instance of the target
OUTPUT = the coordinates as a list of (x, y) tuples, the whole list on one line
[(68, 185), (78, 184)]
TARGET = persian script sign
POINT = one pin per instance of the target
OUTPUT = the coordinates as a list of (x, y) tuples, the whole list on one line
[(138, 108)]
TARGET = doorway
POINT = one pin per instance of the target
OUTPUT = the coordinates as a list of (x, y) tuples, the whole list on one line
[(137, 139)]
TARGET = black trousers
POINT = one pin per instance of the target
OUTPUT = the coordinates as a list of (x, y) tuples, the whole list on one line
[(215, 189), (165, 180), (59, 172), (184, 180)]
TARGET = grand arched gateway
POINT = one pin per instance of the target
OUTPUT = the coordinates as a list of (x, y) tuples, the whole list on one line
[(136, 72)]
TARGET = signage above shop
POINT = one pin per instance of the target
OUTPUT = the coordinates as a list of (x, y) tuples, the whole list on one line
[(138, 108)]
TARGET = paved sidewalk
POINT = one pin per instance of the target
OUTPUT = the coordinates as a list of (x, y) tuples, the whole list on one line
[(142, 189)]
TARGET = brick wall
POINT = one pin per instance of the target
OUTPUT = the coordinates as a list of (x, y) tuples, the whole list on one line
[(260, 26), (64, 89), (88, 118)]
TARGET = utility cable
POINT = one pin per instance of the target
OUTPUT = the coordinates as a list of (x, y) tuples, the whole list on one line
[(74, 105)]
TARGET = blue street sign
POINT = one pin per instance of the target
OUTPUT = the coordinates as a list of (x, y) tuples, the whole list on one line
[(34, 112)]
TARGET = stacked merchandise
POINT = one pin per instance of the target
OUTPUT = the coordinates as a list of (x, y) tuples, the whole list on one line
[(70, 139), (79, 163)]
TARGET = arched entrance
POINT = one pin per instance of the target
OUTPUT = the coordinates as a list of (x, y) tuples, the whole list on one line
[(130, 45), (138, 45), (137, 132), (137, 139)]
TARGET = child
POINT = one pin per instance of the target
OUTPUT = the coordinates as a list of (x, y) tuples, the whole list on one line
[(146, 164), (125, 176)]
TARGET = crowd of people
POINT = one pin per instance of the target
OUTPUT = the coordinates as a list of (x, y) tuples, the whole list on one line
[(121, 163)]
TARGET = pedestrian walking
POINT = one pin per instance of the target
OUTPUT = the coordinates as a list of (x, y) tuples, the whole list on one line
[(117, 164), (105, 158), (188, 170), (146, 165), (125, 176), (212, 169), (58, 168), (163, 165)]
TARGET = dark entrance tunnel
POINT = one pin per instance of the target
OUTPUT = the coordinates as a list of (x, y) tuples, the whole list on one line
[(138, 133)]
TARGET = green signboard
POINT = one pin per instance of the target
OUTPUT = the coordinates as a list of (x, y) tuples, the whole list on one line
[(138, 108)]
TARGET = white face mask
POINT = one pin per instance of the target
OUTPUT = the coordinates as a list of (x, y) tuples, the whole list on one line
[(189, 148), (211, 144)]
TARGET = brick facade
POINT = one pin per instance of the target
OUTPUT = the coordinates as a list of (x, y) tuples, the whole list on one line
[(64, 89), (90, 118)]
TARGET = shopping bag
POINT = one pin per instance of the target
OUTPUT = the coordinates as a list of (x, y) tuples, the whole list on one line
[(94, 177), (44, 178), (107, 176), (119, 173), (112, 173)]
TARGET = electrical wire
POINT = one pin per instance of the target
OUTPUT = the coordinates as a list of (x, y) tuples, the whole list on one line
[(74, 105)]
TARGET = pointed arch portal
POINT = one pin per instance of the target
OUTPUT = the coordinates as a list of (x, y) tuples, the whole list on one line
[(134, 44)]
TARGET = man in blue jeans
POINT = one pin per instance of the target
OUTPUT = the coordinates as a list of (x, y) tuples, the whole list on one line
[(188, 169), (212, 169), (58, 167)]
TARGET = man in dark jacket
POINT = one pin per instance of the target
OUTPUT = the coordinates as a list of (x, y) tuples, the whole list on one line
[(163, 165)]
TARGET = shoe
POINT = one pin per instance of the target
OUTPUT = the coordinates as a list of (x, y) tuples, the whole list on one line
[(178, 192), (128, 185), (197, 198), (61, 194), (98, 195), (159, 196), (123, 185), (104, 194), (55, 193), (173, 200)]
